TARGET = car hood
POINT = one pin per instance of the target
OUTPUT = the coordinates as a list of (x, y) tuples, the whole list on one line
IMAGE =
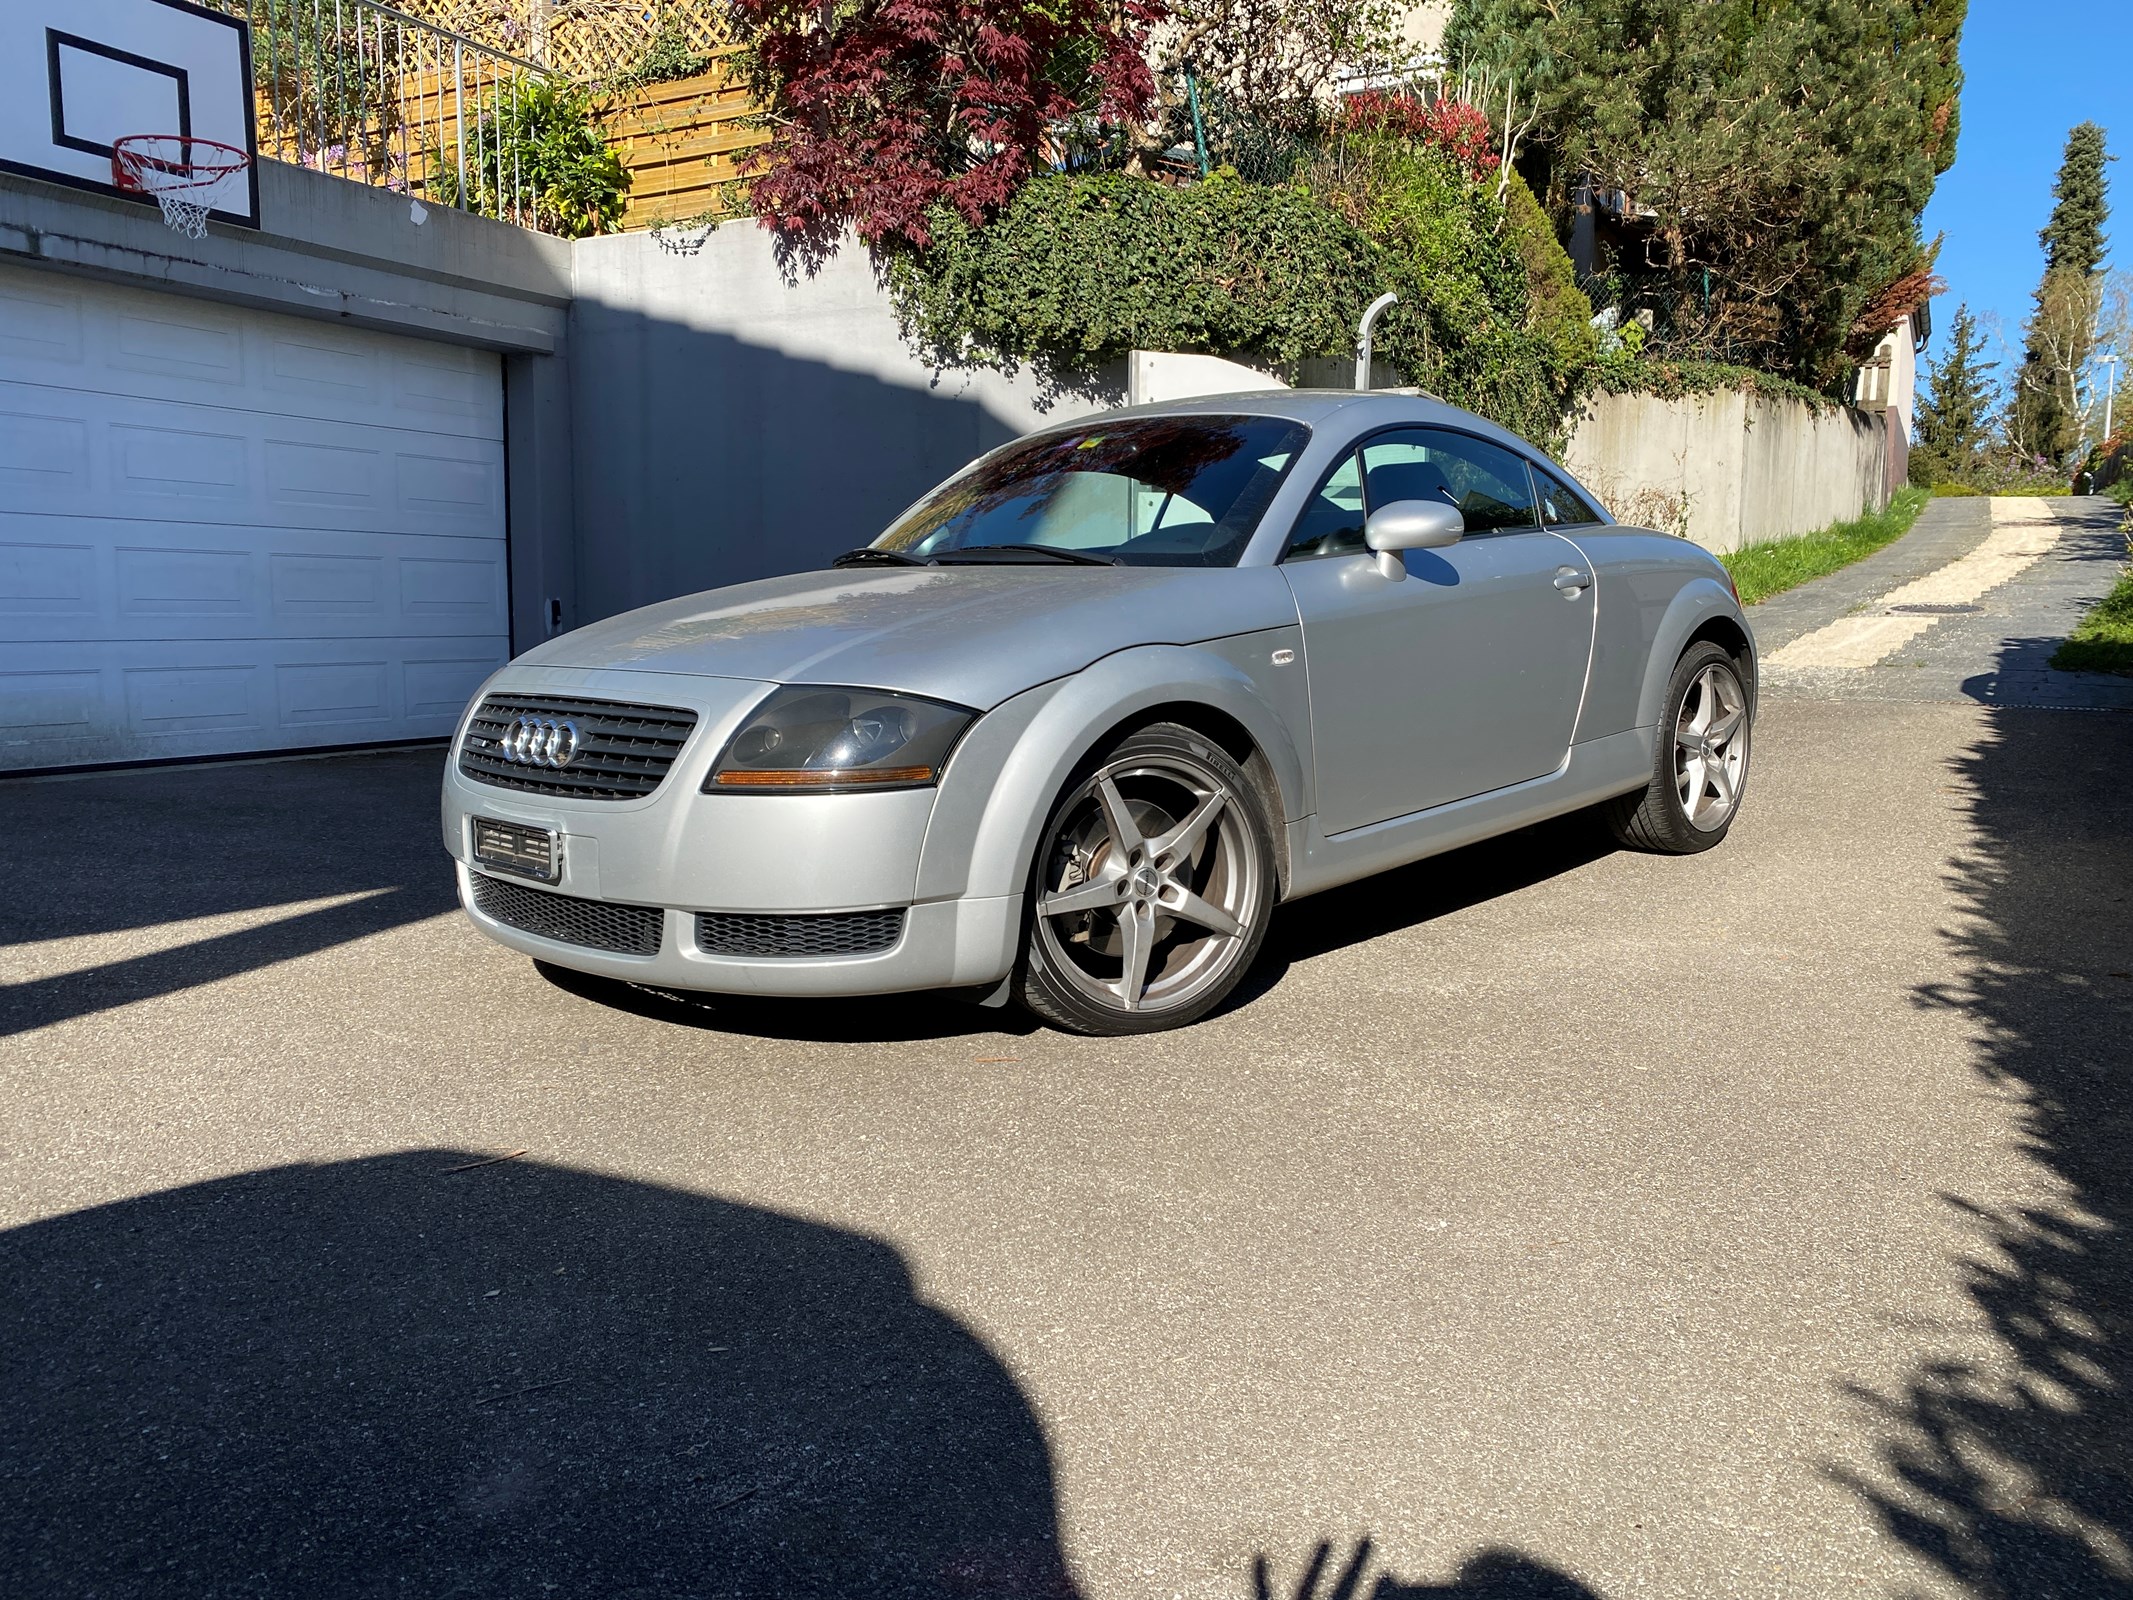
[(973, 635)]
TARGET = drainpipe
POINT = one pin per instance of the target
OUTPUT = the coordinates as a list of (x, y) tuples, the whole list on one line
[(1362, 337)]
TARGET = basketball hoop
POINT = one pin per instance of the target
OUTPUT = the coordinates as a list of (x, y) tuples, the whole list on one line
[(189, 177)]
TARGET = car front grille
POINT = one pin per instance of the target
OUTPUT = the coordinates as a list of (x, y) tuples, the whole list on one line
[(623, 751), (594, 924), (844, 933)]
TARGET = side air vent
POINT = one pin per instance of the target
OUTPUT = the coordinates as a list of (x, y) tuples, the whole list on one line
[(594, 924), (844, 933), (562, 745)]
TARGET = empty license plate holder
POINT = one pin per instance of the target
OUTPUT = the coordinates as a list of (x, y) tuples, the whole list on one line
[(513, 847)]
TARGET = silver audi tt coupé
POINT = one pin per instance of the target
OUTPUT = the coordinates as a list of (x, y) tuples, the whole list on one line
[(1083, 715)]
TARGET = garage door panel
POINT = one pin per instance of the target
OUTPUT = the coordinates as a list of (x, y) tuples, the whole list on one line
[(132, 701), (117, 578), (224, 530), (84, 454), (43, 458), (204, 348), (106, 340)]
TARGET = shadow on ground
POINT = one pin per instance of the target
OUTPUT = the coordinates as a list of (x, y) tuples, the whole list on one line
[(385, 1377), (1493, 1574), (110, 852), (1316, 926), (431, 1374), (2023, 1489), (1410, 896)]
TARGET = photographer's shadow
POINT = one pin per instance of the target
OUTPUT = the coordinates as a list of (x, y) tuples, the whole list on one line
[(388, 1376)]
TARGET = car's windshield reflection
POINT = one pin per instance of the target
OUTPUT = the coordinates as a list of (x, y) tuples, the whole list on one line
[(1144, 491)]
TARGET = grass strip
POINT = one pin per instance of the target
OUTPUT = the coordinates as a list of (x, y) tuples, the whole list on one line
[(1772, 567), (2103, 640)]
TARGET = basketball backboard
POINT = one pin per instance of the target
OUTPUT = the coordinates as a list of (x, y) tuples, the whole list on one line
[(77, 74)]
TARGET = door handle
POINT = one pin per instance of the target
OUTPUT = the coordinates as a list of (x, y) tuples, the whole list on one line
[(1570, 579)]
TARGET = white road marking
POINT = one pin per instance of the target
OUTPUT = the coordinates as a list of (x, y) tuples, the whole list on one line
[(2023, 533)]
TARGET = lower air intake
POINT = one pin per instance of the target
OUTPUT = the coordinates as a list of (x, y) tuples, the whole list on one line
[(842, 933), (594, 924)]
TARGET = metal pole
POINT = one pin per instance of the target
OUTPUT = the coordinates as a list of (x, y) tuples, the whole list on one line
[(1199, 133), (459, 124), (407, 173), (518, 142), (1362, 337), (318, 50), (273, 75), (340, 87), (496, 112)]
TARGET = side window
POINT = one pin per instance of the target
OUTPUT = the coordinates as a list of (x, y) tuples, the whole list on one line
[(1489, 485), (1561, 505), (1332, 523)]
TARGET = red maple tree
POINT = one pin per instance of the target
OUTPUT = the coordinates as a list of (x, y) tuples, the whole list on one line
[(885, 109)]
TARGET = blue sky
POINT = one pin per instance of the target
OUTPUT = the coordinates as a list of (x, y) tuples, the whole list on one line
[(2031, 70)]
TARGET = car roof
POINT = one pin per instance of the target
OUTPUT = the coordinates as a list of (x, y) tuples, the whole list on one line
[(1362, 409)]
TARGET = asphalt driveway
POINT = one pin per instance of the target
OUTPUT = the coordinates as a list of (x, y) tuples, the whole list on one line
[(1546, 1220)]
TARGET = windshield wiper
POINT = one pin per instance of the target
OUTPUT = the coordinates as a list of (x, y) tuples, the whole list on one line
[(868, 555), (989, 552)]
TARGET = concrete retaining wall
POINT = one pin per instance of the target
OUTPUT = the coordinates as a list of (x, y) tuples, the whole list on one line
[(1728, 469), (728, 424)]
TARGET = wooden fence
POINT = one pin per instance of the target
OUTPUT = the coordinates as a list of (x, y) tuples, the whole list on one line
[(682, 142)]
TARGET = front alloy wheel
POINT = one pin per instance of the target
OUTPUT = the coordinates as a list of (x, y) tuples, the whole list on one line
[(1701, 764), (1152, 888)]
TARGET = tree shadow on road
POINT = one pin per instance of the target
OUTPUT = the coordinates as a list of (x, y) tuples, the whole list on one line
[(386, 1377), (2019, 1486)]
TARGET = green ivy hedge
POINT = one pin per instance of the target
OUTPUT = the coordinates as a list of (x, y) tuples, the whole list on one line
[(1079, 269)]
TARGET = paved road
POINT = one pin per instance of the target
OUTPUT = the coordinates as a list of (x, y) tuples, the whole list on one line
[(1547, 1221)]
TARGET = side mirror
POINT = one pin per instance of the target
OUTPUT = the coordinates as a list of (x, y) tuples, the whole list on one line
[(1411, 525)]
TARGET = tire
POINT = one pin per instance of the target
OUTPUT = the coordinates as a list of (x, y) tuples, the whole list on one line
[(1698, 778), (1149, 838)]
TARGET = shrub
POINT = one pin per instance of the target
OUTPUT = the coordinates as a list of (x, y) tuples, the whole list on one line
[(538, 148), (1473, 324), (1460, 130)]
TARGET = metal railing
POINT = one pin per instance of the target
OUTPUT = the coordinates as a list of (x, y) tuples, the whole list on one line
[(369, 92)]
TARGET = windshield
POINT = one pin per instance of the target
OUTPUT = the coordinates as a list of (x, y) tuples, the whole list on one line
[(1143, 491)]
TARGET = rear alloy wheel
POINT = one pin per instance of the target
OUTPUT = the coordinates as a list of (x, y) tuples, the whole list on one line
[(1152, 888), (1701, 765)]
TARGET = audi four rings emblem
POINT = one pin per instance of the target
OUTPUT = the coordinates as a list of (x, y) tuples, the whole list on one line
[(539, 742)]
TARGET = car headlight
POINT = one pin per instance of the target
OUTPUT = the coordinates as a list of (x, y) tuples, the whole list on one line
[(810, 740)]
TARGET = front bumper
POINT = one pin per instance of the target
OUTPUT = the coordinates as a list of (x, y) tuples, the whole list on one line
[(682, 852)]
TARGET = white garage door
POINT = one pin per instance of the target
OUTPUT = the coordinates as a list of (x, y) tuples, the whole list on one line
[(223, 530)]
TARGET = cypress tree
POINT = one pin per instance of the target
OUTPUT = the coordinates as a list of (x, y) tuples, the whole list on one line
[(1955, 408), (2073, 239), (2044, 419)]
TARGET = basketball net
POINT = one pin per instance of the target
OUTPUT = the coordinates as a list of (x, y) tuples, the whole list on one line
[(189, 177)]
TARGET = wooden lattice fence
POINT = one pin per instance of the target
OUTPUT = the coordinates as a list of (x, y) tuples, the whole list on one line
[(682, 142)]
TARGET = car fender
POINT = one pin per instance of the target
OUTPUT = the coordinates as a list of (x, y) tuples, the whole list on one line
[(1696, 603), (1012, 789)]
